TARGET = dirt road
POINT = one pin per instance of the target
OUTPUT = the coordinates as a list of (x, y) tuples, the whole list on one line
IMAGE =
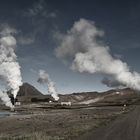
[(125, 127)]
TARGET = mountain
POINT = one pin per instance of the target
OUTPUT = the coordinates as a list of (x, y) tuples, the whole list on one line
[(111, 97), (28, 90), (29, 93), (119, 97), (78, 97)]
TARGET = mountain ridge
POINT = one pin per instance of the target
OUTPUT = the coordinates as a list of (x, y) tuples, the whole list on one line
[(28, 92)]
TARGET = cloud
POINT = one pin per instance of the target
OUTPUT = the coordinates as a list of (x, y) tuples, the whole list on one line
[(40, 9), (33, 71), (39, 22), (5, 30), (26, 40), (82, 43), (74, 40)]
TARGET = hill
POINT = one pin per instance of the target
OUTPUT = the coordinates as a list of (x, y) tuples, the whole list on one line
[(28, 90), (29, 93)]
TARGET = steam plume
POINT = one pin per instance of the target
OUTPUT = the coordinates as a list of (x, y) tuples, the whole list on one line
[(5, 98), (81, 43), (45, 78), (9, 67), (111, 82)]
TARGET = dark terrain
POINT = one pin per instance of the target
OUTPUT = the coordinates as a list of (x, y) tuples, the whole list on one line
[(125, 127), (111, 115)]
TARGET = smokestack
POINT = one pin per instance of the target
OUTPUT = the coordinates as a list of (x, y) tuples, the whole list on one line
[(9, 67), (45, 78), (88, 54)]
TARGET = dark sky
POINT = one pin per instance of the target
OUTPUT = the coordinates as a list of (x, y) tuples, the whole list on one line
[(36, 21)]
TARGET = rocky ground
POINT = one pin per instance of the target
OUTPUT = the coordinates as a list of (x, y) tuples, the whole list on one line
[(92, 115), (125, 127), (50, 123)]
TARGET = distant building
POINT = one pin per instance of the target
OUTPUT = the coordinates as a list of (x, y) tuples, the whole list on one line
[(18, 103), (117, 92), (66, 103)]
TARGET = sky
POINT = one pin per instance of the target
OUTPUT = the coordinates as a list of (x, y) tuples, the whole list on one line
[(37, 23)]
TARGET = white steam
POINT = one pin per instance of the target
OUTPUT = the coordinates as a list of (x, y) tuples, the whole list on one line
[(111, 82), (9, 67), (5, 98), (89, 55), (45, 78)]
